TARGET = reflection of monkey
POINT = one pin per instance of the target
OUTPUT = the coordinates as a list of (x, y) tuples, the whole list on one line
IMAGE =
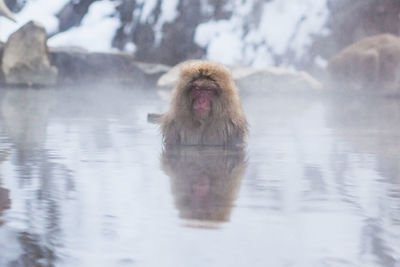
[(205, 108), (371, 62), (204, 180)]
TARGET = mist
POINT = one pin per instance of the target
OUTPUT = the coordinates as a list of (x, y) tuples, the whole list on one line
[(86, 180)]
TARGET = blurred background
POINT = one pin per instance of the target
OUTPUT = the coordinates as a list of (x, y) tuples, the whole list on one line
[(303, 34)]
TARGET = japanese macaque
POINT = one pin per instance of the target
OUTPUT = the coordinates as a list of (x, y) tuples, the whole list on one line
[(205, 108), (373, 62), (205, 181)]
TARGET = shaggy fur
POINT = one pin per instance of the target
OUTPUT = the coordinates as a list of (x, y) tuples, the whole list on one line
[(226, 124)]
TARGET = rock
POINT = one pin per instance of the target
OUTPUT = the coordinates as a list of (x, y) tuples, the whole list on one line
[(161, 36), (26, 58), (275, 80), (370, 64), (83, 67), (169, 78), (272, 79), (72, 14), (78, 66), (68, 49), (153, 71), (351, 20)]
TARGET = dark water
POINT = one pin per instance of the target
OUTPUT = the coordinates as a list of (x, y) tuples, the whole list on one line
[(84, 182)]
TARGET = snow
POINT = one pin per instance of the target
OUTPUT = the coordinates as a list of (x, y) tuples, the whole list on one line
[(256, 34), (169, 11), (42, 11), (96, 32), (148, 7), (285, 25), (207, 31), (130, 47), (145, 13), (222, 39)]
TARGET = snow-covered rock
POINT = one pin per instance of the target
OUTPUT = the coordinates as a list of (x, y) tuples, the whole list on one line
[(170, 31), (253, 80), (169, 78), (275, 80), (26, 59), (78, 66), (261, 33), (287, 33)]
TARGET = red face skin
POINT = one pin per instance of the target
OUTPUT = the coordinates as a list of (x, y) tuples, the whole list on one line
[(202, 91)]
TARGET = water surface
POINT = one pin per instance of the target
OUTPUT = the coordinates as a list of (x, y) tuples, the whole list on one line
[(84, 181)]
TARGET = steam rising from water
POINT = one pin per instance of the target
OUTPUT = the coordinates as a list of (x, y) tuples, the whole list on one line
[(84, 173)]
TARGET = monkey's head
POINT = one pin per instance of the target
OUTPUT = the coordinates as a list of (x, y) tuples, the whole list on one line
[(205, 89)]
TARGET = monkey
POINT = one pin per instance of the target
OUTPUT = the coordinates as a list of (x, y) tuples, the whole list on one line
[(371, 63), (204, 180), (205, 108)]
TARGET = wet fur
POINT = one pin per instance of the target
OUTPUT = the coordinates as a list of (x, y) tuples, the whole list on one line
[(226, 124)]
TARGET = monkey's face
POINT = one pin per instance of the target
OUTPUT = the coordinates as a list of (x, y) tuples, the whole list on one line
[(202, 92)]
